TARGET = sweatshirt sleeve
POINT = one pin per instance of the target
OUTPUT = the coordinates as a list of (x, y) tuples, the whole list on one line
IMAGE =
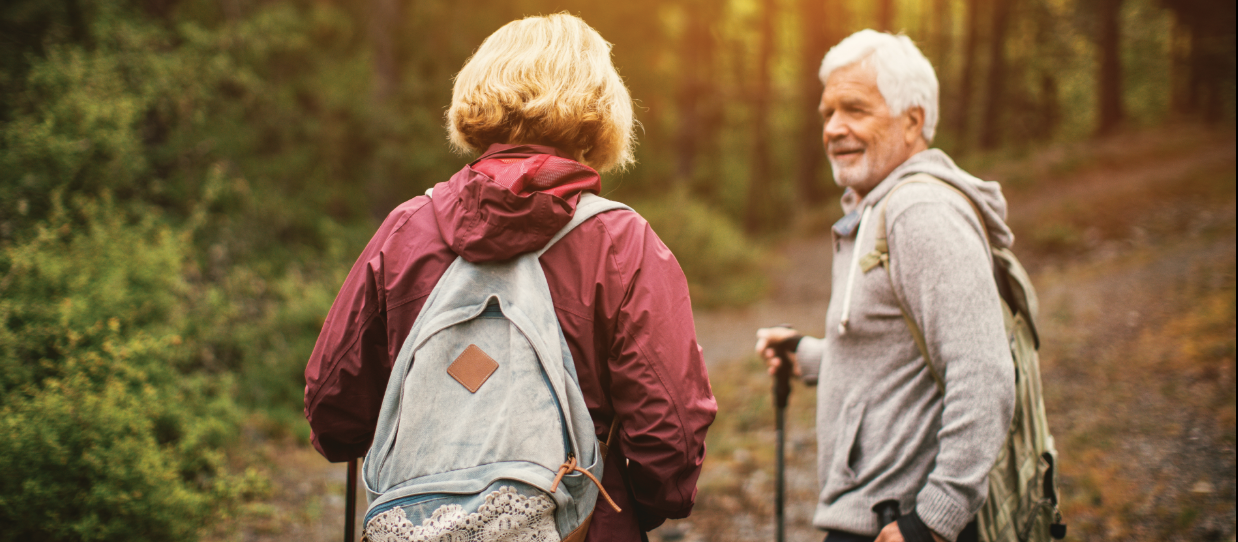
[(943, 269), (659, 385), (809, 355)]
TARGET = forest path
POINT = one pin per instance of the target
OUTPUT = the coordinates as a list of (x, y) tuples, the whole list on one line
[(1131, 244)]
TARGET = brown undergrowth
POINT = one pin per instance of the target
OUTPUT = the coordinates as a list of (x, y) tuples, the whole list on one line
[(1139, 379)]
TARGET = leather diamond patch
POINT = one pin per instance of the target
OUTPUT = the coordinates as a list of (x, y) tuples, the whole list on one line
[(472, 368)]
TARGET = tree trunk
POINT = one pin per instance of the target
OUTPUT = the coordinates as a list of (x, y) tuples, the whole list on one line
[(1109, 89), (759, 184), (693, 98), (817, 31), (688, 93), (1208, 29), (940, 36), (1212, 49), (1179, 68), (384, 17), (1047, 108), (940, 41), (885, 15), (963, 108), (995, 104), (1050, 108)]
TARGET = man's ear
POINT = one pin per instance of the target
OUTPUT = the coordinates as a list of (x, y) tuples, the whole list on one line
[(914, 124)]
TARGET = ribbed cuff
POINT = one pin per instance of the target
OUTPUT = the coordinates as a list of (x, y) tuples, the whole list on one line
[(941, 513), (808, 355)]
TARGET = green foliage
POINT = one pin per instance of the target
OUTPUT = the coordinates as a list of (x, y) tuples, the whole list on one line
[(106, 438), (89, 282), (237, 130), (84, 461), (263, 330), (150, 287), (77, 125), (723, 266), (152, 111)]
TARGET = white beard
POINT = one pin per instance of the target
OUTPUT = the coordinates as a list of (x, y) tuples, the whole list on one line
[(854, 175), (879, 158)]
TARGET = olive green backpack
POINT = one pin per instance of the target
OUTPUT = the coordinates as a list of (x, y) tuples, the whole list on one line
[(1023, 502)]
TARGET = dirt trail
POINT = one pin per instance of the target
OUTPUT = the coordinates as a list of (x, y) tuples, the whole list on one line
[(798, 297), (1143, 460), (1112, 296)]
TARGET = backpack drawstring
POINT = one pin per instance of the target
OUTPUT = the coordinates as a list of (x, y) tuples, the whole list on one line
[(569, 466), (855, 265)]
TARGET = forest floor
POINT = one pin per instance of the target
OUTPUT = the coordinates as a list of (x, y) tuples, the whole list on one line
[(1131, 244)]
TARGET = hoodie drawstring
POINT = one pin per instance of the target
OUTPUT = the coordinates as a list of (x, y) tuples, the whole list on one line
[(855, 265)]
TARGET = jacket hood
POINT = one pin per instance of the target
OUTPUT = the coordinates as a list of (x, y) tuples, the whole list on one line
[(510, 201), (987, 195)]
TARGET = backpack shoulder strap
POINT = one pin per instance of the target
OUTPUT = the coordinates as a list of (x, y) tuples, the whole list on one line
[(590, 204), (881, 256), (927, 179)]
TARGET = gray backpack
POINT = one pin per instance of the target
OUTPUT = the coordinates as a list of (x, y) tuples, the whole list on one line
[(483, 433)]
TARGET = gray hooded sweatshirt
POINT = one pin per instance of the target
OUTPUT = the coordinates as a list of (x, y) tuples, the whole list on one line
[(883, 429)]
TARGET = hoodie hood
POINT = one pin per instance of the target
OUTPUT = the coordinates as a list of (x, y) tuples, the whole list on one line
[(987, 195), (510, 201)]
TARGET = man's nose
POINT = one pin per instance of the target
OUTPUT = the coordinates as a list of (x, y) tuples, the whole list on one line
[(835, 128)]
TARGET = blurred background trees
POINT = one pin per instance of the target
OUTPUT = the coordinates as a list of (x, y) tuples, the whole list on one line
[(183, 184)]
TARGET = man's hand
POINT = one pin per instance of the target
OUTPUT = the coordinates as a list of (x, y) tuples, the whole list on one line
[(891, 534), (767, 337)]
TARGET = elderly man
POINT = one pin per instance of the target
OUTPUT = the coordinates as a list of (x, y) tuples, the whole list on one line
[(889, 426)]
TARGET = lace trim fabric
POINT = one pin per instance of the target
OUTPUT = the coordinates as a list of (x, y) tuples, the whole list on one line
[(506, 516)]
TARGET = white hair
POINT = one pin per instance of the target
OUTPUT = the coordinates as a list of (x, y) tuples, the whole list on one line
[(904, 76)]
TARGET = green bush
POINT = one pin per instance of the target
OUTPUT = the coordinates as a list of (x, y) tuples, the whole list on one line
[(723, 266), (107, 436), (84, 460), (90, 281), (244, 132)]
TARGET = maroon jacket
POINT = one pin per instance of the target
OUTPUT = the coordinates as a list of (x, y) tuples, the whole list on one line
[(619, 294)]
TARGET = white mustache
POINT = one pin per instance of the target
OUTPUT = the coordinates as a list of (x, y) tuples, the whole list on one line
[(844, 146)]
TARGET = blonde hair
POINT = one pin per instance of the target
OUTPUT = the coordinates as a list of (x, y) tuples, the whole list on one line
[(546, 80)]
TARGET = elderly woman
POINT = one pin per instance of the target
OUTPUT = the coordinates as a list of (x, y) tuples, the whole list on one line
[(545, 108)]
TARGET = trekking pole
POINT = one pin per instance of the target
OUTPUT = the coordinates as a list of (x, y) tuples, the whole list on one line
[(350, 502), (782, 392), (887, 512)]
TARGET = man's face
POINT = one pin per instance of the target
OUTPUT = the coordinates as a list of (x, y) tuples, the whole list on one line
[(863, 141)]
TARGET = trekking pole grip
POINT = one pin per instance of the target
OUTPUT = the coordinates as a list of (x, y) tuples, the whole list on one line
[(782, 380), (782, 375), (887, 512)]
